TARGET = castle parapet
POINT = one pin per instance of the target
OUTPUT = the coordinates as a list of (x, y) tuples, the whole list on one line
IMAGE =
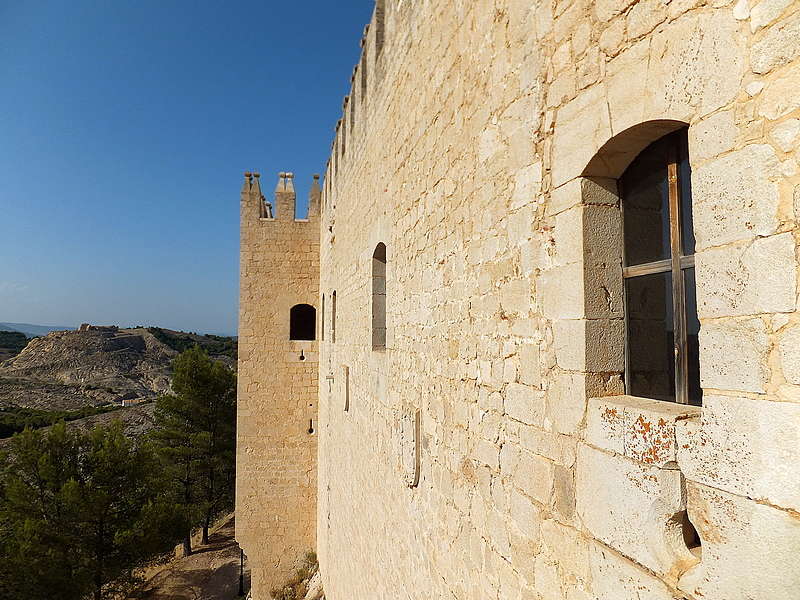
[(285, 197), (256, 207)]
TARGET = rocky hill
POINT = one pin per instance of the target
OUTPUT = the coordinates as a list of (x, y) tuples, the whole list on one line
[(64, 374), (94, 365)]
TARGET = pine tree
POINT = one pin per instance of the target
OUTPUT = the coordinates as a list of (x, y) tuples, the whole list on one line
[(196, 438), (78, 511)]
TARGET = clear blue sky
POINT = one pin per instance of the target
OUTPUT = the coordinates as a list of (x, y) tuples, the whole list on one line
[(125, 128)]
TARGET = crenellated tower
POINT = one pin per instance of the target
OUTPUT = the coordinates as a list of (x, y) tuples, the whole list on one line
[(276, 482)]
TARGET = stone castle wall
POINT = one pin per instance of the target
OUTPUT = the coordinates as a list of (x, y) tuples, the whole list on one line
[(489, 450), (276, 483)]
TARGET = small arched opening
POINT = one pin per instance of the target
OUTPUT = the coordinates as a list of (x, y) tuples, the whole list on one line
[(379, 297), (302, 322)]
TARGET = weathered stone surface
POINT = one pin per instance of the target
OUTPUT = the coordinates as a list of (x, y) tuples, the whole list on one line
[(484, 150), (712, 136), (744, 446), (745, 279), (778, 99), (706, 84), (779, 46), (785, 134), (735, 355), (790, 354), (736, 197), (614, 577), (629, 506), (741, 537), (524, 403), (766, 12)]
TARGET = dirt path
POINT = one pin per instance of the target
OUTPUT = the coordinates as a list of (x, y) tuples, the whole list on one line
[(211, 573)]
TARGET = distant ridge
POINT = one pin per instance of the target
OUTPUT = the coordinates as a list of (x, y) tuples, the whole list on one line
[(34, 330)]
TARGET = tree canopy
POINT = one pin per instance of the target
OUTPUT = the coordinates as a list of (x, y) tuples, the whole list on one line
[(196, 437), (78, 511)]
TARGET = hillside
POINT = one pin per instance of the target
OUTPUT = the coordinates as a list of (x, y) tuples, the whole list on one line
[(94, 365), (97, 366)]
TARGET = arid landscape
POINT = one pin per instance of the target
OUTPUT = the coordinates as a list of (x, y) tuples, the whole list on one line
[(89, 378)]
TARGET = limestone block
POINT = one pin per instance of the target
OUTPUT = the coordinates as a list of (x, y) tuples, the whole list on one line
[(614, 577), (525, 515), (790, 354), (561, 290), (680, 84), (779, 46), (631, 507), (567, 396), (527, 185), (649, 428), (530, 371), (766, 11), (545, 575), (562, 89), (736, 197), (644, 17), (589, 68), (498, 534), (582, 126), (785, 134), (780, 96), (742, 10), (569, 340), (626, 77), (581, 37), (565, 196), (612, 37), (605, 424), (733, 355), (745, 446), (589, 345), (640, 428), (564, 491), (519, 225), (754, 88), (749, 549), (567, 546), (712, 136), (558, 448), (744, 279), (608, 9), (524, 403), (515, 296), (569, 236), (533, 477)]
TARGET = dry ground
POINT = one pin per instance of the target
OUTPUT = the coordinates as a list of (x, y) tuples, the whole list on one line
[(211, 573)]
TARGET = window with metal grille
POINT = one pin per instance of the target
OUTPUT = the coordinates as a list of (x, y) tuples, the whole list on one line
[(662, 356)]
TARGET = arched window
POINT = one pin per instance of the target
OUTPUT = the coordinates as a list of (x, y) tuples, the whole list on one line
[(379, 297), (662, 358), (302, 322)]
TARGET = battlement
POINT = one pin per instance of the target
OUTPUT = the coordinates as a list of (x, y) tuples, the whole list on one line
[(366, 80), (256, 207)]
